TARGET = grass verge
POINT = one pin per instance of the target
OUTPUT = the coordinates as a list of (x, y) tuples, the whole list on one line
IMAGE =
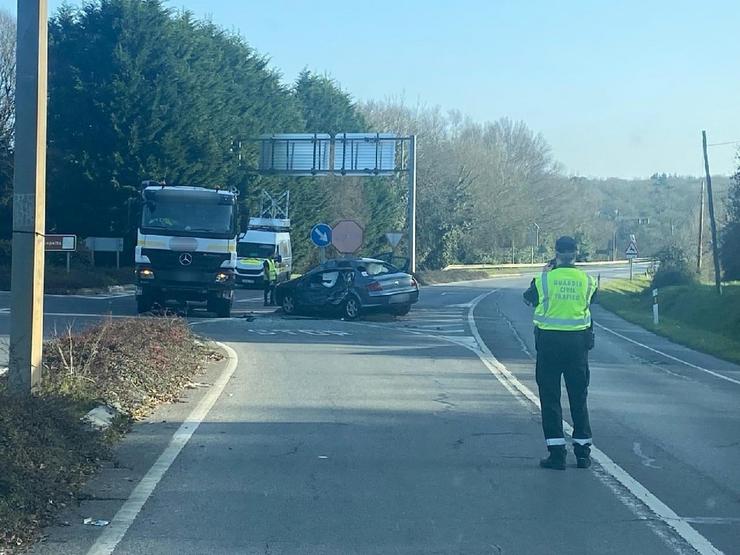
[(433, 277), (46, 453), (58, 282), (692, 315)]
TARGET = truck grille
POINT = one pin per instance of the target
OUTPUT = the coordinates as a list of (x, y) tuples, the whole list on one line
[(201, 261)]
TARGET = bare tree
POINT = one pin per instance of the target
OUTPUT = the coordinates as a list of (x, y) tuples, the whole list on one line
[(7, 78)]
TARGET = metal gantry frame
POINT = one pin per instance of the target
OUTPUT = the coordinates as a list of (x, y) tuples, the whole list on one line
[(315, 155)]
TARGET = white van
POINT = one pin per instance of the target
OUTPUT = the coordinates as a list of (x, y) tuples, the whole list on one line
[(265, 238)]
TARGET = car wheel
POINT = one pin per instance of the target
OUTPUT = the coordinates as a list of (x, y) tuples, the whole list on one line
[(402, 310), (288, 304), (351, 308)]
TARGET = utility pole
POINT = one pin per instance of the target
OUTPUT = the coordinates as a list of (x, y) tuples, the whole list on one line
[(29, 199), (412, 204), (712, 221), (700, 248)]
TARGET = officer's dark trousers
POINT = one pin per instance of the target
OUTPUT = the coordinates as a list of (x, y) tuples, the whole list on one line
[(564, 353), (269, 292)]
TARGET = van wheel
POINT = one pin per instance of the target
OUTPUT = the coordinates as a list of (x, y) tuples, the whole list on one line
[(351, 308)]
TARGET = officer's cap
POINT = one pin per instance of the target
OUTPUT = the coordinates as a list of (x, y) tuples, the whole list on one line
[(566, 244)]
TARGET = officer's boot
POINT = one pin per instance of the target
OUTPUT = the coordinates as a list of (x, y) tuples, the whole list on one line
[(583, 455), (556, 460)]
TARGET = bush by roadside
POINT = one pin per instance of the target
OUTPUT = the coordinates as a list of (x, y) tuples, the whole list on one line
[(692, 315), (58, 282), (46, 454)]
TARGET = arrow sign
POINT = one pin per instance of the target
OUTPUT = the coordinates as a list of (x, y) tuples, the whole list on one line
[(321, 235)]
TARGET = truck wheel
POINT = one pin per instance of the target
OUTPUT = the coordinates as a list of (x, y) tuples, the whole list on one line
[(223, 308), (351, 308), (144, 304)]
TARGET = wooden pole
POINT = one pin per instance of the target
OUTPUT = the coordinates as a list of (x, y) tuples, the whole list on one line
[(700, 248), (29, 200), (712, 221)]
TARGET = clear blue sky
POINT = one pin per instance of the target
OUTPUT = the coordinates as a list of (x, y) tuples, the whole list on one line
[(617, 88)]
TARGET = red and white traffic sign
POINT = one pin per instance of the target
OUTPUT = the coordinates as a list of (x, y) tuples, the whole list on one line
[(347, 236), (631, 251)]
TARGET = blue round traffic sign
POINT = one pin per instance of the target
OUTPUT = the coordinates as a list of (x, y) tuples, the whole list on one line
[(321, 235)]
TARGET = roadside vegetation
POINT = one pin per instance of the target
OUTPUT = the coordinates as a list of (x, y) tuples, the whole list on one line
[(690, 314), (433, 277), (481, 185), (80, 280), (46, 452)]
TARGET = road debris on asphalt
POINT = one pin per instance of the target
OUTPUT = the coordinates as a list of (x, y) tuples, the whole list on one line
[(90, 522)]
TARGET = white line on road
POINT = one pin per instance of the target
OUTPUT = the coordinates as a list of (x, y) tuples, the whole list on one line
[(126, 515), (670, 357), (664, 513)]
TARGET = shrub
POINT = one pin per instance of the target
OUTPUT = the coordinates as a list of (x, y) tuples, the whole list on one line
[(674, 268)]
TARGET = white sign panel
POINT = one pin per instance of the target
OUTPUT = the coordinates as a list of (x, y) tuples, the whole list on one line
[(295, 153), (365, 153)]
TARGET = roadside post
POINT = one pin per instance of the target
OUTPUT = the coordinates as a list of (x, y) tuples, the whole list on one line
[(61, 243), (656, 317), (321, 236), (29, 199), (631, 252)]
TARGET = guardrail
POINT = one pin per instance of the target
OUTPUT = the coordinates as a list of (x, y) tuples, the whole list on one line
[(539, 265)]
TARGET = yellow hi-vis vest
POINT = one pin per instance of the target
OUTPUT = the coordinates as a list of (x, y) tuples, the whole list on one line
[(564, 299), (273, 275)]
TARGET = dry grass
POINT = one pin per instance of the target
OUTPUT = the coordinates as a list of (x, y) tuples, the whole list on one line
[(46, 454)]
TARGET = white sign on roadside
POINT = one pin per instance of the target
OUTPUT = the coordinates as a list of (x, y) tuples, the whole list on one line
[(394, 238), (631, 251)]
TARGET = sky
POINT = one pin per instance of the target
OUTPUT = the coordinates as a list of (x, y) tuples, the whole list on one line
[(618, 89)]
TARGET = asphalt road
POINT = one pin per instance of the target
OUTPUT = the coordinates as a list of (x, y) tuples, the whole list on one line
[(417, 435)]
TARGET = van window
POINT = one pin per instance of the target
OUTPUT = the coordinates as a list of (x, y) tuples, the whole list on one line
[(255, 250)]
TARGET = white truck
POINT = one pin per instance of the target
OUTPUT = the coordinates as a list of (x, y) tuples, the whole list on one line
[(265, 238), (186, 247)]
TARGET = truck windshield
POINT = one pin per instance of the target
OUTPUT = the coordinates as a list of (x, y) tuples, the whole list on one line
[(255, 250), (185, 216)]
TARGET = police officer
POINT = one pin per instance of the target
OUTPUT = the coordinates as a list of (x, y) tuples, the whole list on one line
[(562, 296), (269, 271)]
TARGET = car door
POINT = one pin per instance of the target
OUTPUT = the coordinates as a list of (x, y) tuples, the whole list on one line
[(319, 287)]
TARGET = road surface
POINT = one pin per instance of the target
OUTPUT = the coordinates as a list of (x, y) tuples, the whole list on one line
[(419, 435)]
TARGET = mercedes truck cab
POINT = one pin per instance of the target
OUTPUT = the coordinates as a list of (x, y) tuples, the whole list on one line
[(265, 238), (186, 247)]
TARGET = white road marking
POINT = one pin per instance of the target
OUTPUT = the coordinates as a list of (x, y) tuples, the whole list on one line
[(114, 533), (670, 357), (712, 519), (664, 513), (647, 461)]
